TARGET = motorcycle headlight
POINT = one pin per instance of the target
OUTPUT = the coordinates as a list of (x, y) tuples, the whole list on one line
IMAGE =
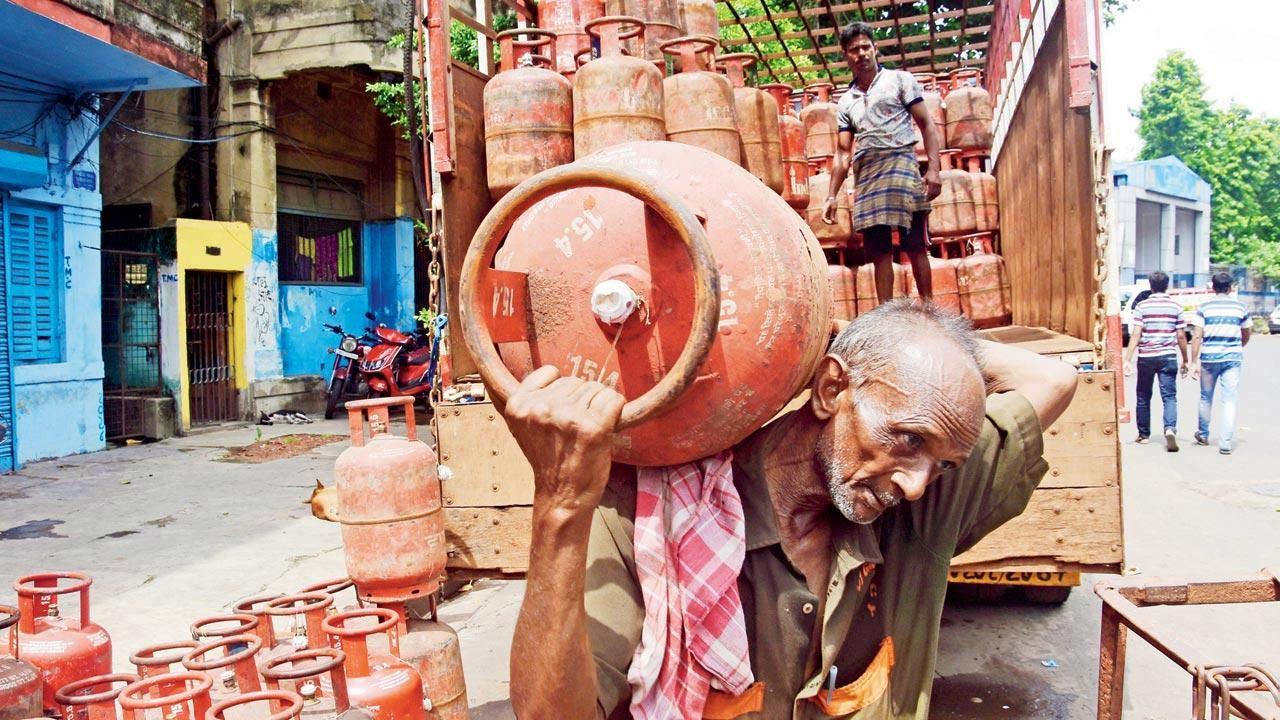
[(348, 344)]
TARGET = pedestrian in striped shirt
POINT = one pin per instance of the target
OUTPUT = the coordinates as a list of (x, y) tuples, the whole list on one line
[(1217, 350), (1157, 340)]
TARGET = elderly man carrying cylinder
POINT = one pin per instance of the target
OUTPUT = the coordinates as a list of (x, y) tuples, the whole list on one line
[(917, 441), (878, 111)]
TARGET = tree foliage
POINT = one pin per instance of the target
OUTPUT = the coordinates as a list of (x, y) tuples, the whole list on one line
[(1235, 151)]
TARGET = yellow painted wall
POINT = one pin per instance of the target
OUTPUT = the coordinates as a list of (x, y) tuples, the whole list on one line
[(220, 247)]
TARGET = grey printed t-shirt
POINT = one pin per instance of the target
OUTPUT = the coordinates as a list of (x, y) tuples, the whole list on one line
[(880, 118)]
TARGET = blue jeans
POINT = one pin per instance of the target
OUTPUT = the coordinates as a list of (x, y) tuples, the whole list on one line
[(1226, 374), (1164, 367)]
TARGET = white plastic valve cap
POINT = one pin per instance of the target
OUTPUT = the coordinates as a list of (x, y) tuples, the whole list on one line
[(613, 301)]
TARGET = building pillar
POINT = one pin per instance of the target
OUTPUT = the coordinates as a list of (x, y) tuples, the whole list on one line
[(1168, 228), (1203, 239)]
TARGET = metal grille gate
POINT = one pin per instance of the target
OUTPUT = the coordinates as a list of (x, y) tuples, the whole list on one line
[(130, 340), (210, 371)]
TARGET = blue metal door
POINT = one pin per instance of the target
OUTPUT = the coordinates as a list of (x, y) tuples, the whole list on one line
[(7, 456)]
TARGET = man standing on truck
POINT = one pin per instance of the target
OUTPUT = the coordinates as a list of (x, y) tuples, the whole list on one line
[(1217, 350), (1157, 339), (917, 440), (877, 112)]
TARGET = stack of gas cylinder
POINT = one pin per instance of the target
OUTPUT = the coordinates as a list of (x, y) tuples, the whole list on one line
[(316, 653), (308, 654)]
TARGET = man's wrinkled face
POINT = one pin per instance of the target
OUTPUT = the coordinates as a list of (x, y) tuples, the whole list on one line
[(860, 53), (891, 436)]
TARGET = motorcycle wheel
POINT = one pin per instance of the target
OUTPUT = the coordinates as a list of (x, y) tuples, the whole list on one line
[(335, 398)]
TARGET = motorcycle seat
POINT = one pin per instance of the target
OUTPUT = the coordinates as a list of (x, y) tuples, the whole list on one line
[(395, 337)]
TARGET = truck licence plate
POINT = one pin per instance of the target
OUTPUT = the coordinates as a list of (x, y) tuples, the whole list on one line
[(982, 577)]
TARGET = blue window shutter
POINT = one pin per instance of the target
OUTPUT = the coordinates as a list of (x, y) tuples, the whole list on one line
[(35, 297)]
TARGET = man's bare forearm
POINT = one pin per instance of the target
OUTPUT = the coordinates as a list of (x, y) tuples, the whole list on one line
[(1047, 383), (552, 672)]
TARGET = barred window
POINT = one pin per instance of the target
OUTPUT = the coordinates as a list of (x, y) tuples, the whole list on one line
[(319, 250)]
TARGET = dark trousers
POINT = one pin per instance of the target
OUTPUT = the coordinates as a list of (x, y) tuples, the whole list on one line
[(1166, 369)]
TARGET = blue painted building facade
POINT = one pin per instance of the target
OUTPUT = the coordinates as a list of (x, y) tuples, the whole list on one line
[(51, 367), (1163, 213)]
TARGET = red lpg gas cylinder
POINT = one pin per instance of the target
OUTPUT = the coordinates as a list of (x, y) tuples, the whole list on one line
[(844, 291), (986, 199), (698, 104), (183, 695), (984, 289), (161, 659), (384, 684), (276, 705), (616, 99), (838, 234), (432, 649), (698, 17), (21, 693), (757, 122), (933, 105), (92, 698), (234, 670), (946, 283), (866, 282), (528, 113), (65, 649), (968, 110), (820, 123), (318, 678), (335, 587), (307, 611), (795, 166), (712, 303), (953, 209), (567, 18), (389, 506)]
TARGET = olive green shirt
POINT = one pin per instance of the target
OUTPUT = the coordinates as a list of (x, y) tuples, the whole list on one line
[(888, 579)]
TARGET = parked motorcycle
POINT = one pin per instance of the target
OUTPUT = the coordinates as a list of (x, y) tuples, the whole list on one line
[(402, 364), (344, 380)]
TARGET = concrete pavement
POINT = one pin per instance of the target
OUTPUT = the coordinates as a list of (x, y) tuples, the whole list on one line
[(170, 533)]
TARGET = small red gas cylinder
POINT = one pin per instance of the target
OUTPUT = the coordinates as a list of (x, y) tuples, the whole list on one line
[(528, 112), (277, 705), (757, 122), (21, 693), (160, 659), (65, 649), (968, 110), (93, 698), (664, 271), (334, 587), (946, 283), (986, 198), (382, 683), (318, 678), (389, 506), (566, 19), (185, 696), (984, 287), (307, 611), (234, 671), (953, 209), (432, 649), (795, 166), (616, 98), (698, 104), (820, 123)]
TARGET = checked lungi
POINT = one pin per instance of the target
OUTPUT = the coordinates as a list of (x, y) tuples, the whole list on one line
[(888, 188)]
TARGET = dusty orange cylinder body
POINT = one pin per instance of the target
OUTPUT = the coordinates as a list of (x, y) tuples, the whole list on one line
[(528, 114), (661, 24), (79, 701), (953, 210), (820, 122), (64, 649), (968, 113), (698, 17), (616, 98), (21, 692), (433, 650), (838, 234), (933, 105), (795, 166), (986, 199), (699, 104), (984, 289), (774, 307), (567, 19), (844, 292), (946, 283), (390, 507), (384, 684), (866, 285), (757, 116)]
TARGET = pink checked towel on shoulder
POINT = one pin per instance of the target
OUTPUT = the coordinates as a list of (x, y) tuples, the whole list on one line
[(689, 546)]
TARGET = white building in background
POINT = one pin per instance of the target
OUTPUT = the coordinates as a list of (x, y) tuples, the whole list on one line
[(1162, 215)]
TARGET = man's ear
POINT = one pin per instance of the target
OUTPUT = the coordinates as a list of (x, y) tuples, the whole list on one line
[(829, 381)]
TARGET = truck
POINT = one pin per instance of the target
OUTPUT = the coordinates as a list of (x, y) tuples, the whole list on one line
[(1040, 61)]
